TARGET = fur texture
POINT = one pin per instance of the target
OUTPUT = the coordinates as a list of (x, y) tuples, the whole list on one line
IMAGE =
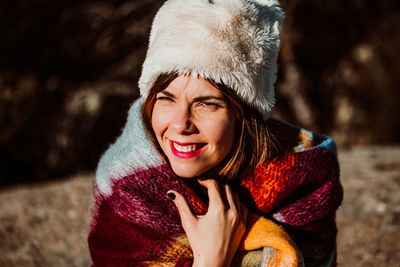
[(235, 42)]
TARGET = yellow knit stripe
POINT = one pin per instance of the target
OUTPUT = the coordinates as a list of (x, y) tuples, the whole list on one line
[(305, 141), (247, 258), (180, 247), (262, 232)]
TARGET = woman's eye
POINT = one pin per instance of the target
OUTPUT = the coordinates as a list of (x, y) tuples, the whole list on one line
[(164, 98), (209, 105)]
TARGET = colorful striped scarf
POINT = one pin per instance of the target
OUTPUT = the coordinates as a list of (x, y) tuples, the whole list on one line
[(292, 201)]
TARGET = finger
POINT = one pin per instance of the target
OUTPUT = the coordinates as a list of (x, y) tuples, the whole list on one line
[(214, 193), (233, 204), (187, 217)]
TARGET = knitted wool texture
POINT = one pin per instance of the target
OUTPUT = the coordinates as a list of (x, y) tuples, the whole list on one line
[(293, 197)]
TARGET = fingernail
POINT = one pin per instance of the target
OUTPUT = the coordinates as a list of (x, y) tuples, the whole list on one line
[(171, 196)]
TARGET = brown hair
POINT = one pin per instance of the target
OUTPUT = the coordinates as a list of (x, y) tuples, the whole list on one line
[(255, 143)]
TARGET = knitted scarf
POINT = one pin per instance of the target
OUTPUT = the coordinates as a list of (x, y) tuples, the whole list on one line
[(291, 199)]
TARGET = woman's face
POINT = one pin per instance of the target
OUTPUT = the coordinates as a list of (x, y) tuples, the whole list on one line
[(194, 125)]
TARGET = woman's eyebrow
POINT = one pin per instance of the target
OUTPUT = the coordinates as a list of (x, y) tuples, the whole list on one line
[(167, 94), (204, 98), (196, 99)]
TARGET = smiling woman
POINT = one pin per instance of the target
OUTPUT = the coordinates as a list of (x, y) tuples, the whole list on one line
[(254, 143), (202, 122), (194, 126)]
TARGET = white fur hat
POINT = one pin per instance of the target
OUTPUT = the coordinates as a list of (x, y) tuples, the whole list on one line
[(234, 42)]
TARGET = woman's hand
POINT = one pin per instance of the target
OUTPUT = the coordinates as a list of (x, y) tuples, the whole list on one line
[(214, 237)]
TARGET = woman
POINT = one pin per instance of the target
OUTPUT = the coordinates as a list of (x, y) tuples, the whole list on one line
[(245, 189)]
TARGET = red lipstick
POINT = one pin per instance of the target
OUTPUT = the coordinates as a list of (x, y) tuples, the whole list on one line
[(186, 155)]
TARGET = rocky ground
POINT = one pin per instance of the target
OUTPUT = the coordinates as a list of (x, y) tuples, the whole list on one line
[(369, 218), (46, 224)]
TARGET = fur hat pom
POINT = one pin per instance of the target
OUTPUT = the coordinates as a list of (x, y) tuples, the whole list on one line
[(234, 42)]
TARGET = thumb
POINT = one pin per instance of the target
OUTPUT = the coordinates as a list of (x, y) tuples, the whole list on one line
[(187, 217)]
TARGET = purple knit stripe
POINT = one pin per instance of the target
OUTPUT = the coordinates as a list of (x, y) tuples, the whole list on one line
[(141, 198), (311, 169), (138, 221), (282, 179), (114, 238), (318, 170), (313, 207)]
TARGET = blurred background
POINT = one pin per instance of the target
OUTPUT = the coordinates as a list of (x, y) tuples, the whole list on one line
[(69, 71)]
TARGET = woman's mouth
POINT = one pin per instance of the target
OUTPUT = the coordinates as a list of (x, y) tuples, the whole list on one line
[(186, 150)]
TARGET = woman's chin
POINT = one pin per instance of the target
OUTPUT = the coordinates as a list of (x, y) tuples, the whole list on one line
[(187, 174), (188, 171)]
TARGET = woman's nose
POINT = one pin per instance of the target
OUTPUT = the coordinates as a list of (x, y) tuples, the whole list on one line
[(182, 121)]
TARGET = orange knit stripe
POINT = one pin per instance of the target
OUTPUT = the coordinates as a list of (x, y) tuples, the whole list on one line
[(272, 177), (264, 233)]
